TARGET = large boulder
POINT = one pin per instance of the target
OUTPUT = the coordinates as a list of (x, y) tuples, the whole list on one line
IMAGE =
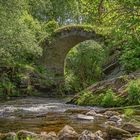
[(51, 136), (131, 128), (115, 132), (68, 133)]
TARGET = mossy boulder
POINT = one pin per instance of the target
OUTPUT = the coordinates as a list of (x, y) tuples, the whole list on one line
[(115, 132), (68, 133)]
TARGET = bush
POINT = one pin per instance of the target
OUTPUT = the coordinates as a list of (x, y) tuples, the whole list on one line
[(107, 99), (133, 90), (84, 98), (50, 26), (110, 99), (18, 43), (130, 58), (89, 99), (129, 112)]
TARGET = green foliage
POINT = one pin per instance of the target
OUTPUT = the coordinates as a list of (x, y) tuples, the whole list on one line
[(129, 112), (83, 65), (23, 23), (111, 99), (7, 87), (84, 98), (118, 20), (28, 138), (67, 28), (107, 99), (133, 90), (89, 99), (130, 56), (64, 12), (125, 32), (34, 25), (18, 44), (51, 26), (137, 138)]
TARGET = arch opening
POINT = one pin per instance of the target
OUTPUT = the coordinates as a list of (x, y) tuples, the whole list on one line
[(83, 65)]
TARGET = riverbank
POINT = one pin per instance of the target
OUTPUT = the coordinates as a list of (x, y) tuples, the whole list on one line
[(120, 91)]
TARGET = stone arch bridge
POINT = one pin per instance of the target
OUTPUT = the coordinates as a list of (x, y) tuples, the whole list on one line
[(57, 46)]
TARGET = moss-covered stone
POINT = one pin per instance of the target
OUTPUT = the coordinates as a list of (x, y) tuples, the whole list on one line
[(58, 44), (115, 132)]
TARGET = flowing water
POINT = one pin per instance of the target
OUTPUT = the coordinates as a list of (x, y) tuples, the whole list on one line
[(43, 114)]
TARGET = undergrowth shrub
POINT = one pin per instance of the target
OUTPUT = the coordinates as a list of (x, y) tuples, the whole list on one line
[(87, 98), (107, 99), (133, 90), (110, 99), (129, 112)]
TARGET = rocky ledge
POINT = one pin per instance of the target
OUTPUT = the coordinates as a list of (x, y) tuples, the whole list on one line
[(117, 85)]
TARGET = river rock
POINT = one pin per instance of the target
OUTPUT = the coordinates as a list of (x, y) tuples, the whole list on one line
[(99, 133), (51, 136), (131, 128), (91, 113), (115, 132), (88, 135), (99, 115), (84, 117), (109, 114), (8, 136), (94, 114), (116, 119), (112, 123), (68, 133)]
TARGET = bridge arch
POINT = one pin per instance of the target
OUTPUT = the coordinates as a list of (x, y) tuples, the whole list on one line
[(61, 42)]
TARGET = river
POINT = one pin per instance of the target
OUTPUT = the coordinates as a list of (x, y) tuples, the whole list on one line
[(43, 114)]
